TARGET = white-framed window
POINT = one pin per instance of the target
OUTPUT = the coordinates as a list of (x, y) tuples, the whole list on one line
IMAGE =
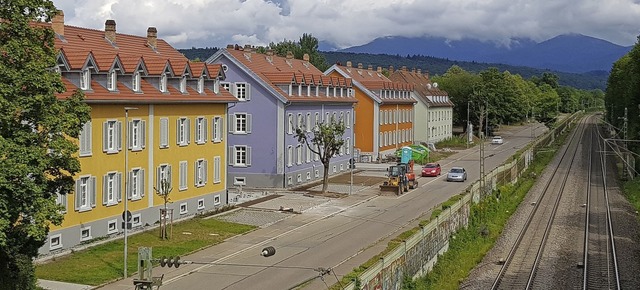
[(316, 173), (85, 198), (135, 81), (308, 122), (183, 84), (112, 80), (164, 132), (239, 180), (85, 79), (201, 130), (289, 180), (85, 140), (242, 123), (289, 156), (201, 204), (217, 199), (226, 86), (112, 226), (317, 121), (309, 175), (137, 137), (61, 200), (183, 131), (299, 122), (216, 125), (299, 178), (111, 188), (216, 169), (201, 85), (347, 120), (380, 139), (299, 154), (183, 175), (308, 151), (341, 150), (348, 145), (163, 83), (335, 169), (326, 118), (85, 234), (290, 124), (200, 172), (163, 175), (136, 220), (111, 136), (183, 208), (136, 184), (55, 242), (341, 167), (240, 155), (243, 91)]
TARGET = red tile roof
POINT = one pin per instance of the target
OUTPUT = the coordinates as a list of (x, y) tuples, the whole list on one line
[(375, 81), (423, 87)]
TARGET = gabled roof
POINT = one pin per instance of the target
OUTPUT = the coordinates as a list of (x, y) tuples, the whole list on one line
[(372, 82), (426, 90), (82, 47), (273, 71)]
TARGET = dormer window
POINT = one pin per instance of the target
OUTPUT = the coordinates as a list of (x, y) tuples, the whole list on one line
[(112, 79), (183, 84), (85, 79), (163, 83), (216, 86), (201, 85), (135, 82)]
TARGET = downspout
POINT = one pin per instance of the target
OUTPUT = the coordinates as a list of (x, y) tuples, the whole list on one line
[(226, 152), (284, 144)]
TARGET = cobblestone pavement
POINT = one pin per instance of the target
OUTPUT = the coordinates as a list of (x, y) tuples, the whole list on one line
[(254, 217)]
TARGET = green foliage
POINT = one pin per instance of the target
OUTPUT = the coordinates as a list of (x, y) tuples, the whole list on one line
[(35, 128), (306, 45), (103, 263), (324, 140)]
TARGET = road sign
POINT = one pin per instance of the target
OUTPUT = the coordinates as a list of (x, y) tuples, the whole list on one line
[(126, 215)]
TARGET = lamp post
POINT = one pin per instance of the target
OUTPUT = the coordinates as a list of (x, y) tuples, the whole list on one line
[(468, 127), (125, 215)]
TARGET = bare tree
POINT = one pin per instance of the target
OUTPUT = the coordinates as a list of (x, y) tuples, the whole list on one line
[(163, 191)]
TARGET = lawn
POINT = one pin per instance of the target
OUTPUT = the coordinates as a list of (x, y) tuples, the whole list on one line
[(103, 263)]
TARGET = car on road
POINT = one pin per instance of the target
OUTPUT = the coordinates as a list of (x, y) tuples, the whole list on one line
[(457, 174), (497, 140), (431, 169)]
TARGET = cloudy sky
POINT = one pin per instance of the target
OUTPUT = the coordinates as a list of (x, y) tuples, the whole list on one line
[(345, 23)]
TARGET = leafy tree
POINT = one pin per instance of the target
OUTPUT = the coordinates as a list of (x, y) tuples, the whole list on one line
[(307, 44), (35, 130), (324, 140), (459, 85)]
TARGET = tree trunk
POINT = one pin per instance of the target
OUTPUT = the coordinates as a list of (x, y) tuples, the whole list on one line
[(325, 177)]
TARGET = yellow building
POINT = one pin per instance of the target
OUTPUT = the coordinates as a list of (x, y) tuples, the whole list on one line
[(154, 116)]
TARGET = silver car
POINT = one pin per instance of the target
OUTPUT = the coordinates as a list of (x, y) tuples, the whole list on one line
[(457, 174)]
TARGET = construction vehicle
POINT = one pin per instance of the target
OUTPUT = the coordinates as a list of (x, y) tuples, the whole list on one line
[(401, 176)]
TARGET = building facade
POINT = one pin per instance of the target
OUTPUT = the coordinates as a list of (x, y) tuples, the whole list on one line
[(384, 113), (156, 118), (275, 96)]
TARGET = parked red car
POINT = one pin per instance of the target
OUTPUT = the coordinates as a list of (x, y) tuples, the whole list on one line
[(431, 169)]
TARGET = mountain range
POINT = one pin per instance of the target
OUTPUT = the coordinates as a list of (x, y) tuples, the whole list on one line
[(573, 53)]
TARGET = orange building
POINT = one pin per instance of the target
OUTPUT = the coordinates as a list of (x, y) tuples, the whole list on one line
[(384, 113)]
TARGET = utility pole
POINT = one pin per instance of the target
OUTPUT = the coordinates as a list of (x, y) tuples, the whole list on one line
[(468, 127), (482, 139)]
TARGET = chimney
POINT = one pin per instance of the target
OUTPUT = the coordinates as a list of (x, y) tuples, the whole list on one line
[(247, 48), (370, 67), (110, 30), (152, 37), (57, 23), (413, 70), (360, 65), (379, 69), (289, 54), (305, 57), (404, 68), (229, 46), (419, 71), (427, 74), (270, 52), (390, 69), (349, 63)]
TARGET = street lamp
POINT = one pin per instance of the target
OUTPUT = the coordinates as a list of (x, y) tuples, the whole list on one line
[(126, 216)]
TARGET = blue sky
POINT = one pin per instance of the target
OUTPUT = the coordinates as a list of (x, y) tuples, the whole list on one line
[(345, 23)]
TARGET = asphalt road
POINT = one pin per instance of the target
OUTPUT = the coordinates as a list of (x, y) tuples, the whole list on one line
[(339, 234)]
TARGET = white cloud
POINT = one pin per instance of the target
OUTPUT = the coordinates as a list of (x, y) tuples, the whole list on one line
[(353, 22)]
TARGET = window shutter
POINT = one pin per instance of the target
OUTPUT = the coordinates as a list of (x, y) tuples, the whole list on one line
[(164, 132), (206, 171), (143, 133), (63, 200), (230, 156), (105, 136), (232, 124), (105, 188), (195, 173), (205, 130), (158, 179), (234, 90), (129, 134), (169, 175), (178, 131), (221, 128), (78, 195), (129, 187), (119, 186), (89, 136), (187, 127), (92, 182), (118, 137), (248, 123), (247, 87), (142, 183), (248, 156)]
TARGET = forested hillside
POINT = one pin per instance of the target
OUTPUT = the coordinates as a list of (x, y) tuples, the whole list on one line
[(436, 66)]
